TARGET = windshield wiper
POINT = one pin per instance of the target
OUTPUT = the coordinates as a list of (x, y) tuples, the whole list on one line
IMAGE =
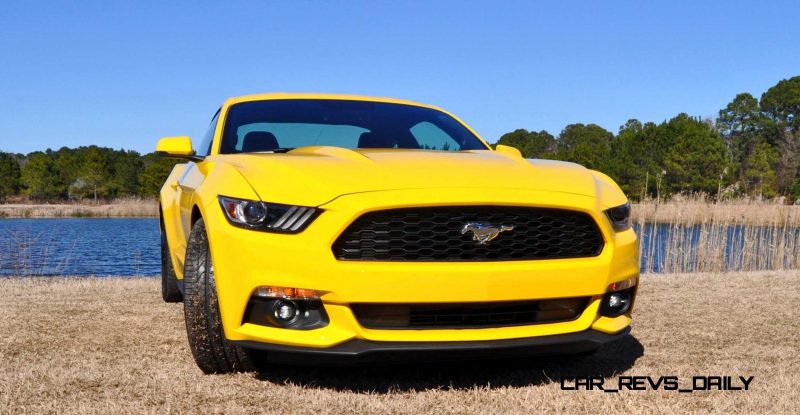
[(282, 149)]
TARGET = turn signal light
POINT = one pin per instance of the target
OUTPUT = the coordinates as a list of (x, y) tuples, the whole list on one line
[(286, 292), (624, 284)]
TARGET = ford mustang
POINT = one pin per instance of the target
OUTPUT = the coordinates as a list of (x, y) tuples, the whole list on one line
[(337, 227)]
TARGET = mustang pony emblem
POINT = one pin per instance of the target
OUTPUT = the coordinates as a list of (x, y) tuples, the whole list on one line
[(483, 232)]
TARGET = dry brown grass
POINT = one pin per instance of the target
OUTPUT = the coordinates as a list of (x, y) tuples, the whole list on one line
[(120, 208), (701, 209), (109, 345)]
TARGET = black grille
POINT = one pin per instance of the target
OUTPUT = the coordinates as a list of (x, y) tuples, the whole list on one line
[(474, 315), (435, 234)]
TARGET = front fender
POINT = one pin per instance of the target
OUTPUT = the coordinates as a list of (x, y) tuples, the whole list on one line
[(200, 188), (221, 179), (608, 192)]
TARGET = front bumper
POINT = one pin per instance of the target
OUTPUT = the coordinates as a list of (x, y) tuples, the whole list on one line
[(245, 259), (366, 351)]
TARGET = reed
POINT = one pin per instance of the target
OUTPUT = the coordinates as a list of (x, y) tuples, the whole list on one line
[(27, 253), (696, 234), (700, 208), (119, 208)]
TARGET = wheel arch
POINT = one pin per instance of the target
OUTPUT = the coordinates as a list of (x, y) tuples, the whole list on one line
[(195, 215)]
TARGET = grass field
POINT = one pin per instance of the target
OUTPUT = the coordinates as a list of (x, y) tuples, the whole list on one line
[(111, 346)]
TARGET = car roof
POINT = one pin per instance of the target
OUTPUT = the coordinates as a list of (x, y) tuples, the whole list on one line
[(313, 95)]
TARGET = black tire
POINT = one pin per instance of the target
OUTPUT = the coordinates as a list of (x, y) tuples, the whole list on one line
[(211, 350), (169, 281)]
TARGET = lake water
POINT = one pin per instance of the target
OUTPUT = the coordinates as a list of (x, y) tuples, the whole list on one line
[(80, 246), (104, 246)]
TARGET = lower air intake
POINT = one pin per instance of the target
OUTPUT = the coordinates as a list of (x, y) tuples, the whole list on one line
[(468, 315)]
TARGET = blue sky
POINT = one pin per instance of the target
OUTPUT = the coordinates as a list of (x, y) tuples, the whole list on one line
[(121, 75)]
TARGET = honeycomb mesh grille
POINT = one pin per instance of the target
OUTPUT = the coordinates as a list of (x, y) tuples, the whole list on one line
[(457, 315), (435, 234)]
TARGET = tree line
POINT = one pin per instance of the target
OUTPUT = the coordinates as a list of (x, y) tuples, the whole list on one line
[(89, 172), (751, 148)]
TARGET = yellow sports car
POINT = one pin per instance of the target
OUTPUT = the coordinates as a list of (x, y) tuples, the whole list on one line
[(318, 227)]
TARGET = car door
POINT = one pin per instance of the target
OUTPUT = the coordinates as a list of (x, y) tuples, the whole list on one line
[(192, 177)]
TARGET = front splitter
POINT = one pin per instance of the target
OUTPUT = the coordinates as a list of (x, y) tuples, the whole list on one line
[(360, 351)]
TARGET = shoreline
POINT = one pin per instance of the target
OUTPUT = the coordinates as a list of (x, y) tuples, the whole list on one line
[(679, 210), (123, 208)]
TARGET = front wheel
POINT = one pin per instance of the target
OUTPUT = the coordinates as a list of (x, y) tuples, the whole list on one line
[(211, 350)]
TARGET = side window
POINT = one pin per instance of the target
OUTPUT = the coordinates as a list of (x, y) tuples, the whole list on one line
[(205, 146), (431, 137)]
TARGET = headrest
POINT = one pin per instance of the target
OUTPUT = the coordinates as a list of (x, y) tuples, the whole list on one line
[(259, 141), (372, 140)]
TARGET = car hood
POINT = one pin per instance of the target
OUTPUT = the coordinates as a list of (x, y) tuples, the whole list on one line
[(311, 176)]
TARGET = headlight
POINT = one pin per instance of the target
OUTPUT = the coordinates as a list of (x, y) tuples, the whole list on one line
[(620, 217), (255, 214)]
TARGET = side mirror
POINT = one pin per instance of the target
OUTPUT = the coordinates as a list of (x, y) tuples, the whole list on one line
[(511, 151), (177, 147)]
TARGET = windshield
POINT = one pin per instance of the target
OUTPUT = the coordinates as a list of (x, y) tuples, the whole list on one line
[(280, 125)]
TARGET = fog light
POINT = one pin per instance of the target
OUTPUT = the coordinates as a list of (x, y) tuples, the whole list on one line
[(286, 308), (616, 303), (285, 311)]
